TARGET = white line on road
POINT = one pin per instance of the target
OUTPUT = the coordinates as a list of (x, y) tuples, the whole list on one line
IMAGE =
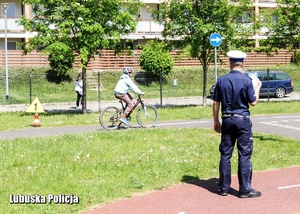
[(280, 125), (286, 116), (285, 121), (287, 187)]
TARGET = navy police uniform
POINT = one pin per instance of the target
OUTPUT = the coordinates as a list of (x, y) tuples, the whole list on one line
[(235, 91)]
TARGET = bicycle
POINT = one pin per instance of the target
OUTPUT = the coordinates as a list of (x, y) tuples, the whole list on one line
[(146, 115)]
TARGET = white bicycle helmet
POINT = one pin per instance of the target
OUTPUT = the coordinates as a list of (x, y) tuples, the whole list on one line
[(128, 70)]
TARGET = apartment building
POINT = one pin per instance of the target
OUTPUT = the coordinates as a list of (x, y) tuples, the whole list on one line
[(146, 29)]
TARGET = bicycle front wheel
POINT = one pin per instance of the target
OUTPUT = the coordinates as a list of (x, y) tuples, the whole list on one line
[(147, 116), (110, 118)]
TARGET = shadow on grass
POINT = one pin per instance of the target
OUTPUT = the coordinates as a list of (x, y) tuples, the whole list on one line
[(210, 184), (267, 137), (8, 101), (174, 105), (54, 77), (66, 111)]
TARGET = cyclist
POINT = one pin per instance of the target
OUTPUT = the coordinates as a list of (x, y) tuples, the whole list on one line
[(121, 91)]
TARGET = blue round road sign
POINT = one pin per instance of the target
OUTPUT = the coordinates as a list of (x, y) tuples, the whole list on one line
[(215, 39)]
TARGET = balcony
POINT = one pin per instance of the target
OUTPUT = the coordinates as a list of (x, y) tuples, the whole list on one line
[(146, 29), (153, 1), (241, 27), (12, 26), (149, 27), (266, 3)]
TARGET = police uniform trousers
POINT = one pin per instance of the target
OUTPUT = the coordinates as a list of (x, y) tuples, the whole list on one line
[(236, 129)]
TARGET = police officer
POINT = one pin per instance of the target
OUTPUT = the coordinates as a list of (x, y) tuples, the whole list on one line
[(234, 92)]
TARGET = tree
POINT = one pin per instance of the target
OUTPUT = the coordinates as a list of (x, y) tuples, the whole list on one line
[(284, 28), (87, 27), (61, 58), (155, 59), (188, 25)]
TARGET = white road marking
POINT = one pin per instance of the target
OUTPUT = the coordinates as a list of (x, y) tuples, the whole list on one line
[(287, 187), (180, 123), (285, 121), (280, 125), (285, 116)]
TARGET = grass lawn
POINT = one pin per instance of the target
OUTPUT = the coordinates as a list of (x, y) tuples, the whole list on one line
[(100, 167), (21, 120)]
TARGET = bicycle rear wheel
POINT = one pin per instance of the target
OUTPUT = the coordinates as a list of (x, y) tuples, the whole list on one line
[(147, 116), (110, 118)]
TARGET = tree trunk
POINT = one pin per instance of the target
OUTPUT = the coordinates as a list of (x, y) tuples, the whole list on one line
[(84, 89), (205, 68)]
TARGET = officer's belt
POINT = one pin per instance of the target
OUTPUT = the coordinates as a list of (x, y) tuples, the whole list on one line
[(233, 115)]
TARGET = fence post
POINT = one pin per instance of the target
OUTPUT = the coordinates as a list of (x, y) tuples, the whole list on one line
[(268, 72), (99, 108), (30, 88), (160, 83)]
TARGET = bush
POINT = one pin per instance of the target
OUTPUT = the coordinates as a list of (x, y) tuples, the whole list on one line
[(296, 58), (155, 58), (61, 58)]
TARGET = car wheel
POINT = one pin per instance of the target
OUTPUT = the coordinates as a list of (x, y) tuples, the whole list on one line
[(212, 90), (280, 92)]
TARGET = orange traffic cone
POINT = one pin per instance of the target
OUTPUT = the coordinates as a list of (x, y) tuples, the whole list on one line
[(36, 121)]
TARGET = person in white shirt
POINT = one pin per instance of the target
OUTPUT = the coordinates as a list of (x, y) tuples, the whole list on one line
[(121, 91), (78, 89)]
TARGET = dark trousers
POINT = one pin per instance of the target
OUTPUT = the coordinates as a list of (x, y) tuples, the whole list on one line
[(236, 129), (79, 97)]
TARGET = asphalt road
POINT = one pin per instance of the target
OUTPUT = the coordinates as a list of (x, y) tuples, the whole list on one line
[(287, 125)]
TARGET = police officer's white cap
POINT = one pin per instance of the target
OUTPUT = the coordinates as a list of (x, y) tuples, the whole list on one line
[(236, 56)]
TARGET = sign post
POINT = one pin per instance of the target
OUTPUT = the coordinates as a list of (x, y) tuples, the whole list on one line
[(215, 40), (5, 8)]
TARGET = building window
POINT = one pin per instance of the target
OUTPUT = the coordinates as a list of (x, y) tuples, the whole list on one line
[(129, 45), (11, 11), (274, 18), (245, 18), (11, 46)]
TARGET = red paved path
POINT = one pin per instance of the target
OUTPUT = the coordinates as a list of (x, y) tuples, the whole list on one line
[(280, 195)]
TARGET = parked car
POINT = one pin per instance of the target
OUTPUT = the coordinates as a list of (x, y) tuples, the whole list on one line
[(278, 84)]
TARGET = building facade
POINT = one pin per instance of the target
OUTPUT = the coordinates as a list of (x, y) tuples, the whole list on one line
[(146, 29)]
